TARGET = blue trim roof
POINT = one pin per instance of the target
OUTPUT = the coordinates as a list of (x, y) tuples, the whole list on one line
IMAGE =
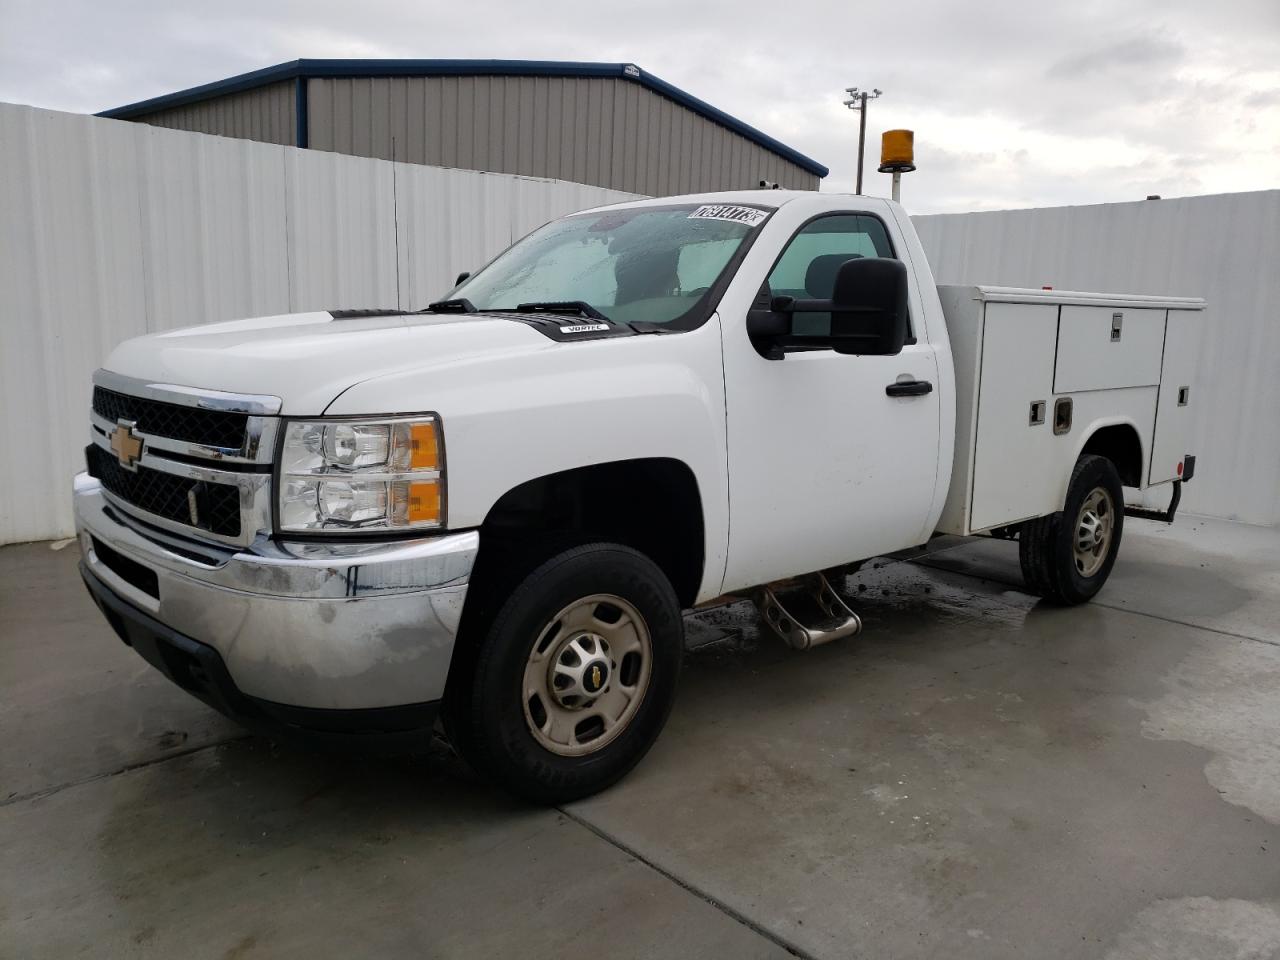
[(306, 69)]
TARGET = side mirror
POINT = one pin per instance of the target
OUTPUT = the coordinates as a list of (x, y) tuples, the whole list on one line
[(868, 309), (462, 276)]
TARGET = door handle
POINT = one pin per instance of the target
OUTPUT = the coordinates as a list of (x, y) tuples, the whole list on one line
[(909, 388)]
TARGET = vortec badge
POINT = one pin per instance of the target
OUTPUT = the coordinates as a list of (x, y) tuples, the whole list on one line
[(585, 328), (126, 446)]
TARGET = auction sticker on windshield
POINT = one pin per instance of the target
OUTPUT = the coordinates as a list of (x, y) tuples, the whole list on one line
[(748, 216)]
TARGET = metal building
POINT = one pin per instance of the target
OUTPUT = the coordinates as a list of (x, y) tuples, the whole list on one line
[(605, 124)]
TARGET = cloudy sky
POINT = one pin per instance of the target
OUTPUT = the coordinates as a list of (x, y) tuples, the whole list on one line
[(1014, 102)]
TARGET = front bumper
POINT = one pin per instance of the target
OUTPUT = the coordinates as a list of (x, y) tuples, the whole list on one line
[(199, 669), (316, 627)]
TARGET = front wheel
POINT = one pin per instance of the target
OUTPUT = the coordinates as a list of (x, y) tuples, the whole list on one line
[(1066, 557), (575, 675)]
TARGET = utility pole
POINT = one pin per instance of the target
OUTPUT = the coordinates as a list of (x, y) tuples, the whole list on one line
[(858, 101)]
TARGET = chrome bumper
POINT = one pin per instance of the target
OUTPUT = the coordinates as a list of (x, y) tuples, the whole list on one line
[(322, 625)]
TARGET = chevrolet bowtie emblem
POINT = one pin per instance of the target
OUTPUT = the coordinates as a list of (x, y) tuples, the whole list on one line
[(126, 445), (595, 675)]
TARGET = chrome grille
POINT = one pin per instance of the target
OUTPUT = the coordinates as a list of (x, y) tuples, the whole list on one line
[(213, 507), (205, 465), (214, 428)]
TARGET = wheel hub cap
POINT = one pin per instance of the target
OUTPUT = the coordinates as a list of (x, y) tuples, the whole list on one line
[(586, 675), (1094, 528), (580, 670)]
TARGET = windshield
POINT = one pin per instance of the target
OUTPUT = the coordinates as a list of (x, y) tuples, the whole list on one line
[(643, 264)]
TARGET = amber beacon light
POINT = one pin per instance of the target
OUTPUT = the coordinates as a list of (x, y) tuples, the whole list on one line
[(897, 156)]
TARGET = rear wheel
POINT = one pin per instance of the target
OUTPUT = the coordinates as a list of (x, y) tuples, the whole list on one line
[(574, 676), (1066, 557)]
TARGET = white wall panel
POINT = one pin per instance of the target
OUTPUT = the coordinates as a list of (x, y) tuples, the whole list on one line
[(1224, 248), (111, 229), (70, 259), (213, 216), (342, 231)]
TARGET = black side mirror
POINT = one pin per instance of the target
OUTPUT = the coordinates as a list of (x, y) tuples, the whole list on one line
[(767, 324), (868, 309), (462, 276)]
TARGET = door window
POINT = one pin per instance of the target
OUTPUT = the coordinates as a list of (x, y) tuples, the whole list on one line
[(807, 268)]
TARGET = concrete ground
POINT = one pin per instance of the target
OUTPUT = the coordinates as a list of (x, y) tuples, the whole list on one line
[(977, 775)]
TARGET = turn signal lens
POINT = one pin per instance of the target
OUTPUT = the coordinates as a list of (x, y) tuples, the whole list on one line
[(424, 502), (416, 502), (424, 452)]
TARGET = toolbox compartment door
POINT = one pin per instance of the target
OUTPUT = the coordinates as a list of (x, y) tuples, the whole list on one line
[(1102, 348), (1013, 456), (1177, 395)]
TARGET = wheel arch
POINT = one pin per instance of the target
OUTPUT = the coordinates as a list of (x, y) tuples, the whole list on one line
[(652, 504), (1119, 440)]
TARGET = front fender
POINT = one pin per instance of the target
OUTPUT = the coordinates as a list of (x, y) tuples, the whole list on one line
[(511, 418)]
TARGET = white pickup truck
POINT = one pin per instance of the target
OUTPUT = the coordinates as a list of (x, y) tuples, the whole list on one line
[(494, 510)]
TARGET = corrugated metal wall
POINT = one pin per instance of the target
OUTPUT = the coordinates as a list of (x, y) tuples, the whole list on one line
[(1224, 248), (603, 131), (111, 229), (267, 115)]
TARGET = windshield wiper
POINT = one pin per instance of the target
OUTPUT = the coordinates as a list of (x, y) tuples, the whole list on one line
[(461, 305)]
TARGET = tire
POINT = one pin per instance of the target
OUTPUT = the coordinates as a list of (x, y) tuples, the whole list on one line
[(1055, 563), (596, 632), (504, 562)]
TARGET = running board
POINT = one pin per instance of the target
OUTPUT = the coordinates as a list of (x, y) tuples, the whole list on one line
[(1163, 516), (833, 620)]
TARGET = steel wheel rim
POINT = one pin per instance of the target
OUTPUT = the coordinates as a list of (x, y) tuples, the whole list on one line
[(1095, 526), (586, 675)]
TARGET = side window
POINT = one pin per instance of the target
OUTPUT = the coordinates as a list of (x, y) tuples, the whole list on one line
[(807, 268)]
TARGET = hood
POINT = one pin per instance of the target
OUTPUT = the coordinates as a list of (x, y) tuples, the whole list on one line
[(308, 359)]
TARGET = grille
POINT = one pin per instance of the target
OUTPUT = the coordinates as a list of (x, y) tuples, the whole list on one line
[(213, 428), (165, 494)]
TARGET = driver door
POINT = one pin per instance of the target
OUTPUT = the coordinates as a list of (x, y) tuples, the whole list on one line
[(825, 467)]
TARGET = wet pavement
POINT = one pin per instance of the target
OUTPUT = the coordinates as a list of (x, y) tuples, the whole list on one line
[(976, 775)]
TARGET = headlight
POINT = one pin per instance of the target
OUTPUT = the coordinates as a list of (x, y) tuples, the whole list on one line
[(353, 476)]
